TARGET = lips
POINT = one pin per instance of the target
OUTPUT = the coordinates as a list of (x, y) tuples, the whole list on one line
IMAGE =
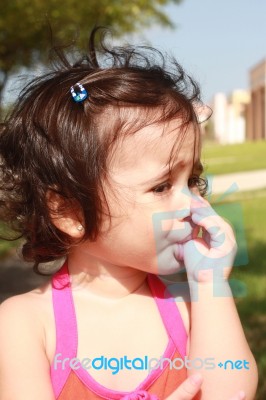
[(179, 252)]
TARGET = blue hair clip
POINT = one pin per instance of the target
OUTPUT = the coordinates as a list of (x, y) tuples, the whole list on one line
[(79, 95)]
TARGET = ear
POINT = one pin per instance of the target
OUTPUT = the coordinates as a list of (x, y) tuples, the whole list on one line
[(65, 215)]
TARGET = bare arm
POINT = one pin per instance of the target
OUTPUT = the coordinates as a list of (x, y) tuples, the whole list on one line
[(191, 386), (216, 330), (24, 367)]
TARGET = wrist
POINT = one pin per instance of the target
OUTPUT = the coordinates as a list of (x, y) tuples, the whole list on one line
[(215, 288), (209, 275)]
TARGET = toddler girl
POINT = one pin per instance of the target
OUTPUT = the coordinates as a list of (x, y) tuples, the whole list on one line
[(100, 168)]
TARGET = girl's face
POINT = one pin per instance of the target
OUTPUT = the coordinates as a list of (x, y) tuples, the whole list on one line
[(150, 210)]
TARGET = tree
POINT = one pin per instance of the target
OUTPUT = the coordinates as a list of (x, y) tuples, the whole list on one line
[(24, 25)]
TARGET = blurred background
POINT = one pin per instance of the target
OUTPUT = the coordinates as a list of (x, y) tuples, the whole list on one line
[(223, 46)]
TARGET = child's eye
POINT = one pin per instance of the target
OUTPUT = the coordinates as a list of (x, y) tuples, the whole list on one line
[(194, 180), (160, 189), (164, 187)]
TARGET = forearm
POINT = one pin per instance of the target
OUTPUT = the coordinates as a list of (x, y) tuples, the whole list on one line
[(217, 333)]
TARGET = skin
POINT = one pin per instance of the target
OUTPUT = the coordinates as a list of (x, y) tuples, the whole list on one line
[(191, 387), (110, 275)]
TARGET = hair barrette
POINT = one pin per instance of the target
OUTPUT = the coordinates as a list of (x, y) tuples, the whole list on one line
[(79, 95)]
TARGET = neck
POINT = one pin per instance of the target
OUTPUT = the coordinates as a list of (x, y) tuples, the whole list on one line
[(99, 278)]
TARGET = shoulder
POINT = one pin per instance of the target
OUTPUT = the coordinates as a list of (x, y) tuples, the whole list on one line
[(22, 348), (13, 310), (27, 307), (26, 314)]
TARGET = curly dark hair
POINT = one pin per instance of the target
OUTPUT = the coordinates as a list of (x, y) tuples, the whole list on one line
[(49, 142)]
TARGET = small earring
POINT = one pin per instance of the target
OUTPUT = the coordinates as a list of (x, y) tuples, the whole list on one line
[(80, 228)]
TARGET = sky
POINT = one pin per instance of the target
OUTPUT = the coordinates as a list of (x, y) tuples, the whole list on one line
[(216, 41)]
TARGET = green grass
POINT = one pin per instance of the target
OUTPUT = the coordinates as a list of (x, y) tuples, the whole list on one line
[(5, 245), (252, 306), (223, 159)]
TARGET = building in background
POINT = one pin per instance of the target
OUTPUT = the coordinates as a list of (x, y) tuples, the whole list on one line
[(256, 111), (229, 117), (219, 108)]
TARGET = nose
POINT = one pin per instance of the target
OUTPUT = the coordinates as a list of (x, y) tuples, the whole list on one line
[(181, 202), (178, 217), (176, 222)]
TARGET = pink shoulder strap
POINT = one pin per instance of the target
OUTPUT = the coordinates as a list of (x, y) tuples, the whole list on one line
[(66, 328), (170, 313)]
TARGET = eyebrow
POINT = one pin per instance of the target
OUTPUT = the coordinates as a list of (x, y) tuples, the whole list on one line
[(197, 167)]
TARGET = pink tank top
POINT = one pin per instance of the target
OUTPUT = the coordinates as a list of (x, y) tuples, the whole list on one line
[(78, 384)]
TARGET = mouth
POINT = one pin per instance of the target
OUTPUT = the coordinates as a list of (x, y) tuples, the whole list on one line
[(179, 252)]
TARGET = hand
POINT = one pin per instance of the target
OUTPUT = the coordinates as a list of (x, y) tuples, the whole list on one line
[(214, 253), (188, 389)]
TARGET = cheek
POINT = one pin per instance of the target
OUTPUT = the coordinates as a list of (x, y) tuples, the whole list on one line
[(172, 224), (140, 229), (137, 236)]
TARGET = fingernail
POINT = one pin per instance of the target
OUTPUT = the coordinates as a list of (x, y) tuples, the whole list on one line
[(196, 379), (242, 395)]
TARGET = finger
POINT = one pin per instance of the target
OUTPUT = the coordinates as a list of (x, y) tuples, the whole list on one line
[(206, 237), (239, 396), (199, 200), (199, 232), (215, 231), (221, 234), (195, 231), (212, 218), (188, 389)]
